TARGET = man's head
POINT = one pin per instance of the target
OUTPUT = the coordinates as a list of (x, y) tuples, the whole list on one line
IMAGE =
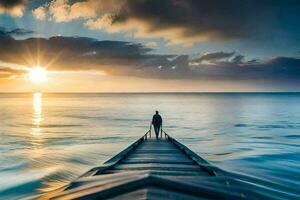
[(156, 112)]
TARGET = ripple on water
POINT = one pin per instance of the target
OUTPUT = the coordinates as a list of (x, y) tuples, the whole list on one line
[(241, 125), (293, 136)]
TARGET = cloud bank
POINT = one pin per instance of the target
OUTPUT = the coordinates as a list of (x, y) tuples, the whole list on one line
[(177, 21), (133, 59)]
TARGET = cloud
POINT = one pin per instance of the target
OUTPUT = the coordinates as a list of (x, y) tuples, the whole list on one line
[(239, 59), (151, 44), (8, 70), (178, 21), (15, 32), (39, 13), (12, 7), (214, 57), (64, 10), (20, 32), (133, 59)]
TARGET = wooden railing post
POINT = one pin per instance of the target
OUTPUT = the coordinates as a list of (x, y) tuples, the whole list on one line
[(166, 135)]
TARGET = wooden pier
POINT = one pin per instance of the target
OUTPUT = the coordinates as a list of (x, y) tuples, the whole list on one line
[(157, 169)]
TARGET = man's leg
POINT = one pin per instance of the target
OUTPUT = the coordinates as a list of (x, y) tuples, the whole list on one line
[(156, 129)]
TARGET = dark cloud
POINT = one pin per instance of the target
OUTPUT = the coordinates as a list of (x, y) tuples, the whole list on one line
[(11, 3), (78, 53), (132, 59), (238, 59), (188, 21), (20, 32), (276, 69), (12, 7)]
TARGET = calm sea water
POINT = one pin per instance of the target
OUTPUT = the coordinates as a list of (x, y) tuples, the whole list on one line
[(47, 140)]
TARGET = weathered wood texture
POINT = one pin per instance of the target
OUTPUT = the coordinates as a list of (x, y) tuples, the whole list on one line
[(159, 155)]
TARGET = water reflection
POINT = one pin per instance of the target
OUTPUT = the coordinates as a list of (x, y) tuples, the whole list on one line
[(37, 117), (36, 131)]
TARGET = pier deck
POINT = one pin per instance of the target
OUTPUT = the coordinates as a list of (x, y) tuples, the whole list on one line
[(156, 169)]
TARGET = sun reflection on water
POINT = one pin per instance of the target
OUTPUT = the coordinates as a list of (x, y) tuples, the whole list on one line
[(37, 117), (36, 131), (42, 159)]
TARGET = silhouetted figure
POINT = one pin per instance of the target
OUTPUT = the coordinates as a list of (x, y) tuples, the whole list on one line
[(157, 123)]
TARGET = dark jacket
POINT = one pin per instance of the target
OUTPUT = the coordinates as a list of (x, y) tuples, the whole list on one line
[(156, 120)]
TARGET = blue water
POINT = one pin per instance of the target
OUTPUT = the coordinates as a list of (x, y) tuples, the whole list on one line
[(47, 140)]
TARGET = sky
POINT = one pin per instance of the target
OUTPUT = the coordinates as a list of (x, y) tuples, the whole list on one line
[(150, 45)]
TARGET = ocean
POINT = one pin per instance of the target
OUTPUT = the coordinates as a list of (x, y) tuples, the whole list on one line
[(47, 140)]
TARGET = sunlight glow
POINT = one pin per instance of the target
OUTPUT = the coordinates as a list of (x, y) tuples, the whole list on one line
[(38, 74)]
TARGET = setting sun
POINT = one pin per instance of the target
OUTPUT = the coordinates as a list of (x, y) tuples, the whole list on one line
[(38, 74)]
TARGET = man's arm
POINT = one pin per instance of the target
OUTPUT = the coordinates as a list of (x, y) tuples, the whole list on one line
[(161, 124)]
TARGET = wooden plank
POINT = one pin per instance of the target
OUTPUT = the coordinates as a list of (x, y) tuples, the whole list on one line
[(158, 151), (145, 161), (160, 169), (160, 172), (158, 160), (157, 147), (153, 156), (144, 155), (161, 166)]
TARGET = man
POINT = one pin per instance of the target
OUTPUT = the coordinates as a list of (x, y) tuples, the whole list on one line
[(157, 123)]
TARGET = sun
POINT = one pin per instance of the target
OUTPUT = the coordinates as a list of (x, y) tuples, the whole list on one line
[(37, 74)]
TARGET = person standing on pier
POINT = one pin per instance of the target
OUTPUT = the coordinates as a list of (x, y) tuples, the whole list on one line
[(157, 123)]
